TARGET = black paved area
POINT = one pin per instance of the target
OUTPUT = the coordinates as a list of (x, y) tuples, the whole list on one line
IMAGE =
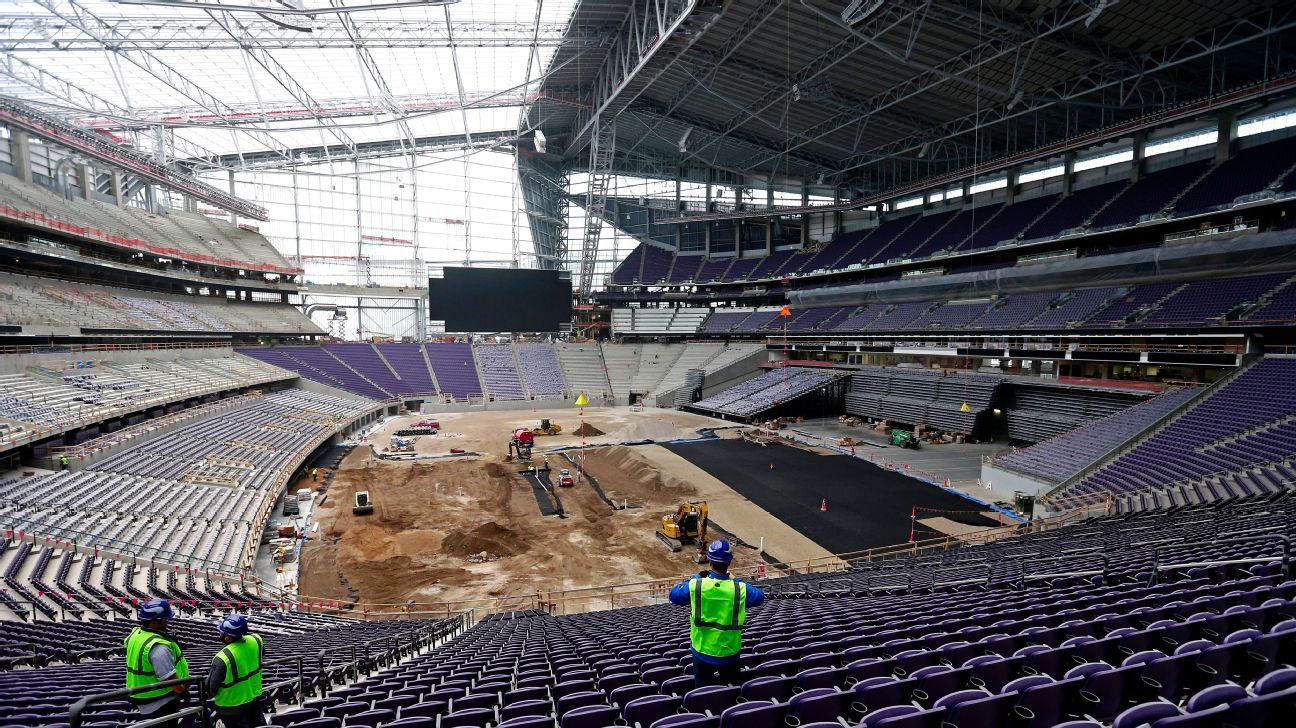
[(867, 506)]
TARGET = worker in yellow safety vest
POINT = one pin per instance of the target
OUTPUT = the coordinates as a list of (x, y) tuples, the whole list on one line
[(153, 656), (718, 607), (234, 681)]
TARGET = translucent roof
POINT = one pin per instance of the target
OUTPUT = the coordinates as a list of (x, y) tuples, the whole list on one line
[(185, 67)]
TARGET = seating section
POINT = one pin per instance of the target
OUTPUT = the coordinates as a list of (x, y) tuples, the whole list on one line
[(767, 390), (499, 371), (1071, 453), (864, 648), (584, 370), (47, 305), (1040, 413), (923, 397), (64, 394), (455, 370), (196, 496), (1208, 300), (66, 672), (541, 371), (384, 371), (658, 321), (1182, 190), (1226, 442), (190, 237), (1257, 300)]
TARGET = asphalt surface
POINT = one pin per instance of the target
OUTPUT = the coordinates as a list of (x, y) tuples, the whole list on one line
[(867, 506)]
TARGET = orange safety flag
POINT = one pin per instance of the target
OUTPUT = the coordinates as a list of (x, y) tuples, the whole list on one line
[(785, 312)]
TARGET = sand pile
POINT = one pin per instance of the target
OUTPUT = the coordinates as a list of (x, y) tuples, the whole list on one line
[(655, 430), (588, 430), (624, 472), (490, 537)]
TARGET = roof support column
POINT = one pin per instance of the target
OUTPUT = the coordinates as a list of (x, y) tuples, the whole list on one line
[(1068, 173), (805, 219), (1138, 164), (85, 178), (706, 225), (115, 187), (20, 151), (1010, 192), (1227, 125)]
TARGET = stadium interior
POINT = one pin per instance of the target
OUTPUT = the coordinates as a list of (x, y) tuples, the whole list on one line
[(971, 326)]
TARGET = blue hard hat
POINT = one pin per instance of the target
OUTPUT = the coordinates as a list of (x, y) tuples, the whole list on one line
[(155, 609), (719, 551), (234, 625)]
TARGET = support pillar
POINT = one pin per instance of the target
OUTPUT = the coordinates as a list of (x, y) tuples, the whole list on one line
[(1227, 135), (805, 219), (115, 187), (1068, 173), (1010, 192), (1138, 167), (85, 178), (20, 152), (706, 225)]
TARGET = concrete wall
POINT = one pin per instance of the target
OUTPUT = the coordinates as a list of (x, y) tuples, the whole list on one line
[(1007, 481)]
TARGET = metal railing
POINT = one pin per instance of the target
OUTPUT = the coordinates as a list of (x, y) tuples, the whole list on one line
[(1284, 559), (198, 709)]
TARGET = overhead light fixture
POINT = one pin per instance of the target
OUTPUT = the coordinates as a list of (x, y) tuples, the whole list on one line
[(1016, 99), (926, 147), (860, 10), (796, 92), (1093, 14), (540, 141), (683, 140), (820, 179)]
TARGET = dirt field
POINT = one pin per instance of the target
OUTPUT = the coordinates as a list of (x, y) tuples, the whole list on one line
[(471, 529), (487, 432)]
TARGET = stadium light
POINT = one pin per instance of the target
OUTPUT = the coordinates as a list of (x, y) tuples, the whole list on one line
[(860, 10), (683, 140)]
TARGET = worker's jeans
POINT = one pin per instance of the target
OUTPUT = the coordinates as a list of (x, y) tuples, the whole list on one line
[(704, 673), (249, 717)]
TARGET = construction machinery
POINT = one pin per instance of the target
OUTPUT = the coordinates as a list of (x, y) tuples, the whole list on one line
[(547, 427), (565, 478), (520, 444), (687, 525), (904, 439), (363, 503), (402, 444)]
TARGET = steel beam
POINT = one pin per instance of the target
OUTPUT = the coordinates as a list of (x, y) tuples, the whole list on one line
[(1219, 38), (364, 150), (72, 94), (176, 31), (97, 147), (71, 12), (280, 74)]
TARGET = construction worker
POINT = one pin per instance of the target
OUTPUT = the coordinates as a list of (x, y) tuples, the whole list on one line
[(234, 681), (152, 656), (314, 474), (546, 463), (63, 462), (718, 608)]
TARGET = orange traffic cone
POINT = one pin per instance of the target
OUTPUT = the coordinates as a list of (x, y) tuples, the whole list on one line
[(823, 505)]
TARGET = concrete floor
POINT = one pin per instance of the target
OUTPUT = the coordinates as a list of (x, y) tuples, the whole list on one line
[(961, 464)]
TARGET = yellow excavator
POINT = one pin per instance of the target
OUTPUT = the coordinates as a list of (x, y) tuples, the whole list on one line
[(687, 525), (547, 427)]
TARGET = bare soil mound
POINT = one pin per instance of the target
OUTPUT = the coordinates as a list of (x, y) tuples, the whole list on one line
[(490, 537), (656, 430), (588, 430)]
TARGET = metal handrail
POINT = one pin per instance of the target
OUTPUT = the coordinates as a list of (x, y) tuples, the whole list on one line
[(199, 710), (1284, 559)]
